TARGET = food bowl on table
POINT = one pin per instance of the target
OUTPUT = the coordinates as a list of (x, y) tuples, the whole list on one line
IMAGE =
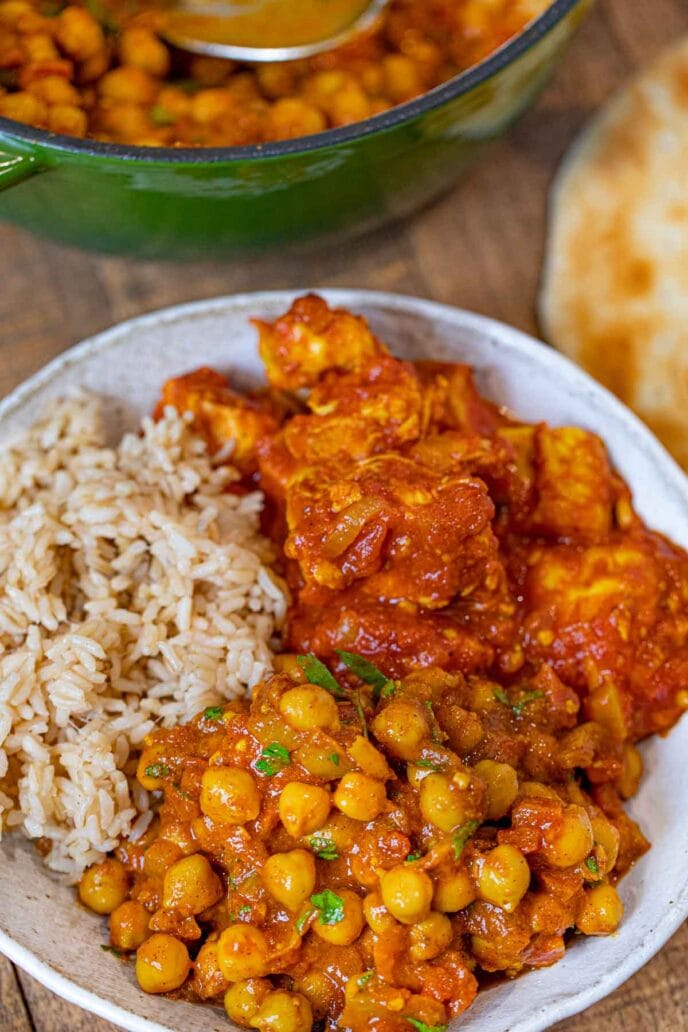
[(42, 929), (183, 202)]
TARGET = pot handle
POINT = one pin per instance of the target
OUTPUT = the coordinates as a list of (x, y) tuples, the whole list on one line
[(14, 168)]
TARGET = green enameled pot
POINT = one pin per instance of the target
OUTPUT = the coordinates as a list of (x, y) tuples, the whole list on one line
[(209, 202)]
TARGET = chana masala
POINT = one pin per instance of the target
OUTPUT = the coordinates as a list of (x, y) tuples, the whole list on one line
[(429, 790), (103, 70)]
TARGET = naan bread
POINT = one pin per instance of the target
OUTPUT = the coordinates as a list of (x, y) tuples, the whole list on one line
[(615, 288)]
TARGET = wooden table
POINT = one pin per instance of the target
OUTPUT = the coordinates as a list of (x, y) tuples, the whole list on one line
[(480, 248)]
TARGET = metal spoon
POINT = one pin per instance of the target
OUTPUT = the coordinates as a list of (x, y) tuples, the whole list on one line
[(267, 30)]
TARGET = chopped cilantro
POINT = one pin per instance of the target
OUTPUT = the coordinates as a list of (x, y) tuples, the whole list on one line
[(388, 691), (411, 857), (334, 758), (364, 978), (161, 116), (462, 836), (301, 923), (317, 673), (428, 765), (323, 847), (112, 949), (518, 706), (157, 770), (365, 671), (525, 699), (330, 905), (501, 696), (592, 865), (213, 713), (273, 759), (182, 793), (422, 1027)]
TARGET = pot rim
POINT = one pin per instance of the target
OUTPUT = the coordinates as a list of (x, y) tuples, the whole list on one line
[(455, 87)]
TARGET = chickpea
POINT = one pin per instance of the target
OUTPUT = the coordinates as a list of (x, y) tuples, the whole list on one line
[(208, 980), (276, 80), (377, 914), (601, 911), (24, 107), (152, 769), (369, 759), (402, 80), (346, 931), (607, 836), (303, 808), (141, 48), (242, 952), (229, 795), (502, 786), (129, 925), (631, 772), (290, 877), (282, 1011), (360, 797), (68, 120), (159, 856), (503, 877), (407, 894), (321, 759), (79, 34), (317, 988), (430, 937), (191, 886), (291, 117), (572, 840), (443, 803), (454, 892), (402, 727), (129, 85), (309, 707), (55, 89), (209, 105), (243, 999), (210, 71), (162, 964), (104, 886)]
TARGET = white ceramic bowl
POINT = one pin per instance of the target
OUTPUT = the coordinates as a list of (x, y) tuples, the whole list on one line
[(42, 929)]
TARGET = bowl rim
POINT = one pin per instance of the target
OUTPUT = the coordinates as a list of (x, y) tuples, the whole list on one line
[(512, 342), (386, 120)]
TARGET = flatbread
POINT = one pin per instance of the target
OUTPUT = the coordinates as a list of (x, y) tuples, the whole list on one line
[(615, 287)]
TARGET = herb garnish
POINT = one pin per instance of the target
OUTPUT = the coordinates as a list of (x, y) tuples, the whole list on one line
[(213, 713), (334, 758), (323, 847), (428, 765), (518, 706), (422, 1027), (462, 835), (592, 865), (364, 978), (157, 770), (161, 116), (273, 759), (412, 857), (330, 905), (112, 949), (365, 671), (317, 673)]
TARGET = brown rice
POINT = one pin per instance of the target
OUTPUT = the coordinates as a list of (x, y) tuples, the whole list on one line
[(134, 591)]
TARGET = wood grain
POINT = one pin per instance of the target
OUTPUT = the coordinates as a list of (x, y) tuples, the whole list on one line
[(480, 248)]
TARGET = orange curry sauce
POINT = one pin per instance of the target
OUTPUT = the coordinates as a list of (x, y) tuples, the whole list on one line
[(359, 847)]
